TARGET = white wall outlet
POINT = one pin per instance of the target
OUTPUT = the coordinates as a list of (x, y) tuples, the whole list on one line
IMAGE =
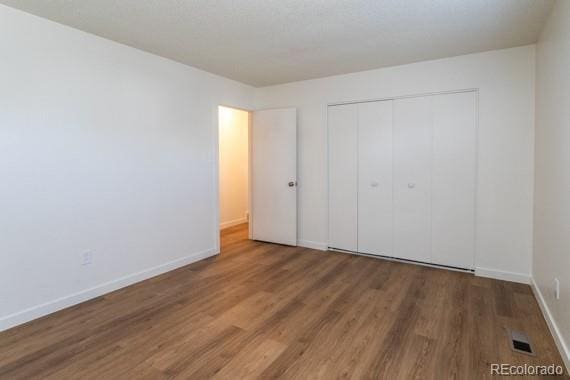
[(87, 258), (556, 289)]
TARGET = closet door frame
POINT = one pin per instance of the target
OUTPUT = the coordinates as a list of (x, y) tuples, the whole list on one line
[(476, 168)]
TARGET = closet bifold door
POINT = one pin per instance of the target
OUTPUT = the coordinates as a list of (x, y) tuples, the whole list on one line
[(343, 171), (412, 144), (375, 177), (453, 179)]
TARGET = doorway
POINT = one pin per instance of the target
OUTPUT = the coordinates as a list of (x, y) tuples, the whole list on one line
[(234, 146), (258, 174)]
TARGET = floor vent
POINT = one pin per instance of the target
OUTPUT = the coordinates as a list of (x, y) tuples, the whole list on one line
[(520, 342)]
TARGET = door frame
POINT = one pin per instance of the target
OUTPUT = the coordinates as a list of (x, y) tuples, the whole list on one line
[(216, 171)]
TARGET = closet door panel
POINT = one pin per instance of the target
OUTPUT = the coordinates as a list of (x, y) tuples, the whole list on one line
[(412, 178), (453, 179), (343, 171), (375, 178)]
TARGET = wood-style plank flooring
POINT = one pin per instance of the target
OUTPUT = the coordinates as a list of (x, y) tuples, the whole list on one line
[(260, 310)]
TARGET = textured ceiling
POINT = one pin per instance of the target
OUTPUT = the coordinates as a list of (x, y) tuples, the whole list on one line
[(264, 42)]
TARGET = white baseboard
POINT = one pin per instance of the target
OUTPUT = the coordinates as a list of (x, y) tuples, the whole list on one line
[(232, 223), (502, 275), (552, 326), (312, 244), (38, 311)]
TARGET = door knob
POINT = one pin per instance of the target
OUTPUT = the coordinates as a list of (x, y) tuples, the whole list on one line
[(292, 183)]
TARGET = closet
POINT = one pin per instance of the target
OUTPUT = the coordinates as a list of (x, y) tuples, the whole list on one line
[(402, 177)]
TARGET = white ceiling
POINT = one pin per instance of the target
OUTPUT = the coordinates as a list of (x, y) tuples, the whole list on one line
[(265, 42)]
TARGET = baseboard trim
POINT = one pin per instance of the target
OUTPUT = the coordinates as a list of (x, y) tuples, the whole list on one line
[(503, 275), (38, 311), (312, 244), (552, 325), (232, 223)]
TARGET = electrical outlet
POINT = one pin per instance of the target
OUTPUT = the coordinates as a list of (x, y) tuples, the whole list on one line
[(87, 258), (556, 289)]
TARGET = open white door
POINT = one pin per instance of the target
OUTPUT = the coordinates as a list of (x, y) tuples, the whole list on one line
[(274, 176)]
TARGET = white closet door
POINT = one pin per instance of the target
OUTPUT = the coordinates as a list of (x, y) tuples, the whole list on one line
[(375, 178), (453, 180), (412, 178), (343, 170)]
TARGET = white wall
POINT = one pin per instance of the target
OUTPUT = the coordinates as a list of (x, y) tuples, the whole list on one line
[(103, 148), (552, 186), (505, 79), (234, 150)]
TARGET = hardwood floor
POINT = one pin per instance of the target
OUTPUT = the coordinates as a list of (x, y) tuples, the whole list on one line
[(264, 311)]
